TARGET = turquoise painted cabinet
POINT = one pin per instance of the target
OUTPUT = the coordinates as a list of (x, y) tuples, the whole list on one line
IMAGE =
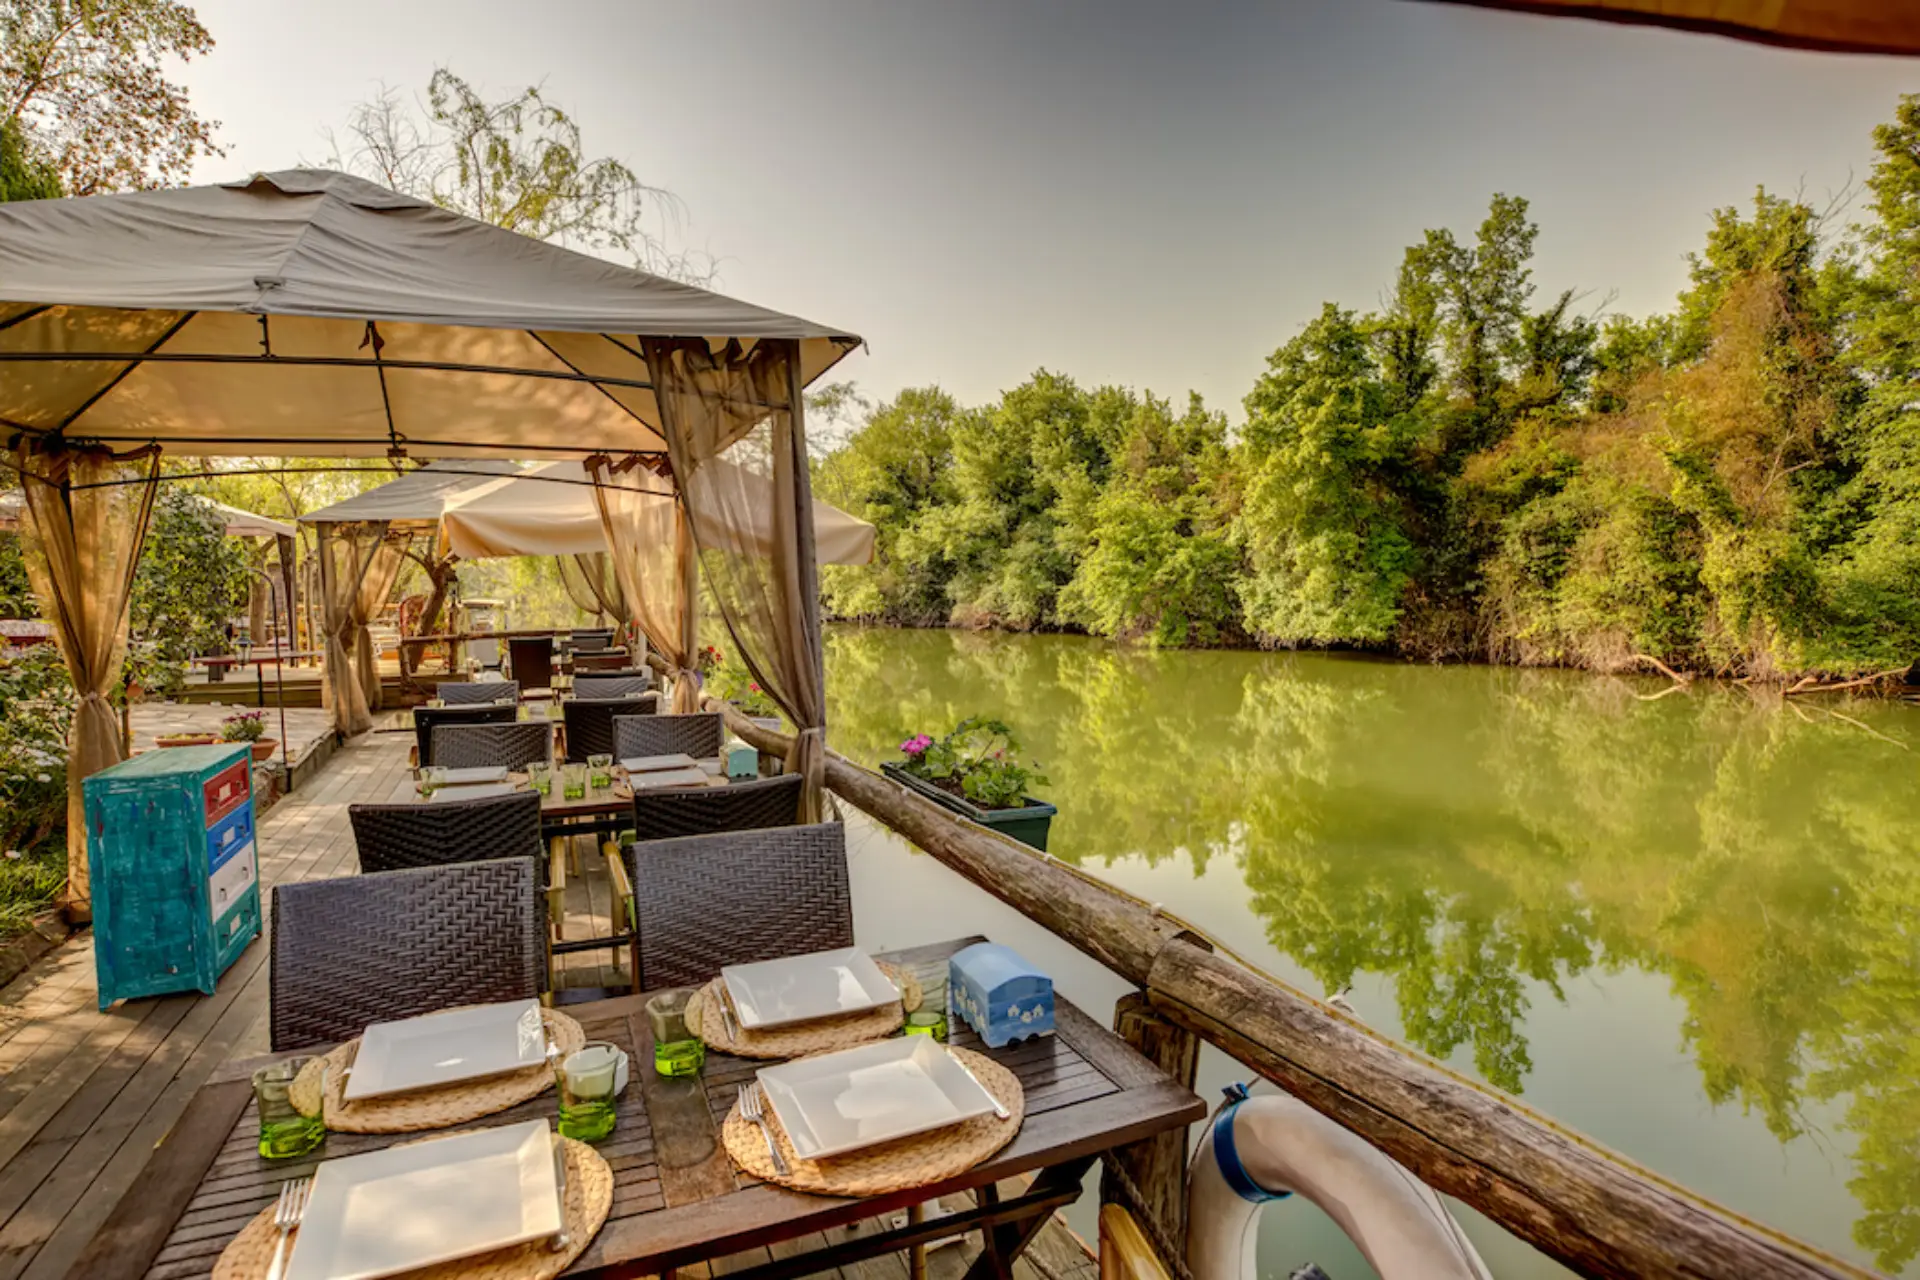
[(176, 880)]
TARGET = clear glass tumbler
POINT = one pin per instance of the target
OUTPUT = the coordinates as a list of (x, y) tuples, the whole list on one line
[(575, 782), (601, 770), (677, 1051)]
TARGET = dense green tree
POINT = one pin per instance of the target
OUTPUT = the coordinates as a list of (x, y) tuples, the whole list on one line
[(191, 579), (24, 175), (1329, 557), (1157, 563)]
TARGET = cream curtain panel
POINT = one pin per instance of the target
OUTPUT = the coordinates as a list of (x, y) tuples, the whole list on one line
[(86, 520), (656, 564), (357, 570), (744, 400), (592, 585)]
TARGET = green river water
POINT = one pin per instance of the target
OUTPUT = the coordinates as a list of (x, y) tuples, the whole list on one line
[(1687, 926)]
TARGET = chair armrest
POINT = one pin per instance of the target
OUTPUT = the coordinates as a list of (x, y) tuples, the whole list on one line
[(622, 886)]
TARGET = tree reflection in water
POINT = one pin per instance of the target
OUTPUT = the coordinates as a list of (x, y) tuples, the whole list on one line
[(1471, 832)]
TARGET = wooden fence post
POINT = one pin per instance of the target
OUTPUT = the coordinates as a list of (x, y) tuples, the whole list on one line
[(1158, 1166)]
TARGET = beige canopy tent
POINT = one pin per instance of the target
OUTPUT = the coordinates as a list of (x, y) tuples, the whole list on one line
[(1855, 26), (550, 510), (311, 313)]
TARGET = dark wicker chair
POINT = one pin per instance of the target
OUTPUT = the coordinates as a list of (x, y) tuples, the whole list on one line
[(699, 735), (604, 660), (467, 746), (530, 659), (589, 722), (590, 640), (398, 944), (426, 719), (699, 811), (392, 837), (467, 693), (610, 686), (785, 892)]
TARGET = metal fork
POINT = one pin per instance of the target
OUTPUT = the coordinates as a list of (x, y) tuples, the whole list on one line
[(286, 1218), (753, 1109)]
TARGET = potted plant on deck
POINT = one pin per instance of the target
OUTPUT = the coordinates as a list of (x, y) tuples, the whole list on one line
[(246, 726), (975, 771), (737, 686)]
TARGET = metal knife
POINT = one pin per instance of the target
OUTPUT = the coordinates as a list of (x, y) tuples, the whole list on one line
[(564, 1237)]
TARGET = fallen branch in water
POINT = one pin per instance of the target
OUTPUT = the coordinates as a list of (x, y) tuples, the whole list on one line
[(1655, 697), (1677, 677), (1867, 729), (1807, 685)]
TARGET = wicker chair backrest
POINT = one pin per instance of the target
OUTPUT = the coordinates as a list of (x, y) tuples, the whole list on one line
[(604, 660), (699, 735), (698, 811), (530, 658), (398, 944), (471, 746), (426, 719), (590, 640), (395, 836), (466, 693), (704, 902), (610, 686), (590, 722)]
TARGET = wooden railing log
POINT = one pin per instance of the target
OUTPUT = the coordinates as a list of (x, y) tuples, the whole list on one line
[(1588, 1207)]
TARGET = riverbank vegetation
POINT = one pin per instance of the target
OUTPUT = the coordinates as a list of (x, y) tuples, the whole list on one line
[(1472, 471)]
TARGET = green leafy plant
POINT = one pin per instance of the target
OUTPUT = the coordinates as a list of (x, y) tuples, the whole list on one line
[(36, 704), (243, 726), (978, 760), (736, 685), (191, 578)]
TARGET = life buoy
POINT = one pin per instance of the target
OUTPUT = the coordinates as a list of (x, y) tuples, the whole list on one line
[(1272, 1146)]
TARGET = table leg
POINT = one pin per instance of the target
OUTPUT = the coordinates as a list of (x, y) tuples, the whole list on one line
[(1006, 1241), (916, 1254)]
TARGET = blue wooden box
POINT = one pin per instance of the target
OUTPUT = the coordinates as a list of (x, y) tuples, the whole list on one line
[(1002, 997), (176, 884)]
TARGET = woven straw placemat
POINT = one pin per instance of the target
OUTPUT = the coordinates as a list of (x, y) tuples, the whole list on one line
[(801, 1039), (895, 1166), (429, 1108), (589, 1201)]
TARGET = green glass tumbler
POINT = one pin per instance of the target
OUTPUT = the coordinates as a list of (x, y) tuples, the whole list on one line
[(676, 1050), (575, 784), (600, 771), (284, 1131)]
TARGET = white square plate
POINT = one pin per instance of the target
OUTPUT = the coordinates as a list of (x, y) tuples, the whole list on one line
[(420, 1203), (692, 776), (479, 792), (441, 1048), (825, 984), (841, 1102), (477, 773), (655, 764)]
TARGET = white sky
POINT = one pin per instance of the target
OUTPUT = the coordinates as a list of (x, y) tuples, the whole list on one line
[(1149, 194)]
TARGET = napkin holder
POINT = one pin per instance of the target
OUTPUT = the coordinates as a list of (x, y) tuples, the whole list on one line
[(1001, 996), (742, 761)]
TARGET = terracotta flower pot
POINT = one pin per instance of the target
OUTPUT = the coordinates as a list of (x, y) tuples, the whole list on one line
[(263, 748)]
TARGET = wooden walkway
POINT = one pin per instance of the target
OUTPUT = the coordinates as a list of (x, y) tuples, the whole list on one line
[(86, 1096)]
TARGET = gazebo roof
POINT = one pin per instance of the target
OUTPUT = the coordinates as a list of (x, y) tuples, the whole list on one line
[(418, 497), (312, 312)]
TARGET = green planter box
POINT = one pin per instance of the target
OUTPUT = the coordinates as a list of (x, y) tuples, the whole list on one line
[(1028, 825)]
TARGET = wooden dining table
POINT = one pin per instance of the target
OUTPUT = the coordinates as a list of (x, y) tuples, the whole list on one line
[(678, 1200)]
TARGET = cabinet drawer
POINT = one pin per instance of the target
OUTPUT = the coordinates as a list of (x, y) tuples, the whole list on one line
[(226, 790), (230, 834)]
